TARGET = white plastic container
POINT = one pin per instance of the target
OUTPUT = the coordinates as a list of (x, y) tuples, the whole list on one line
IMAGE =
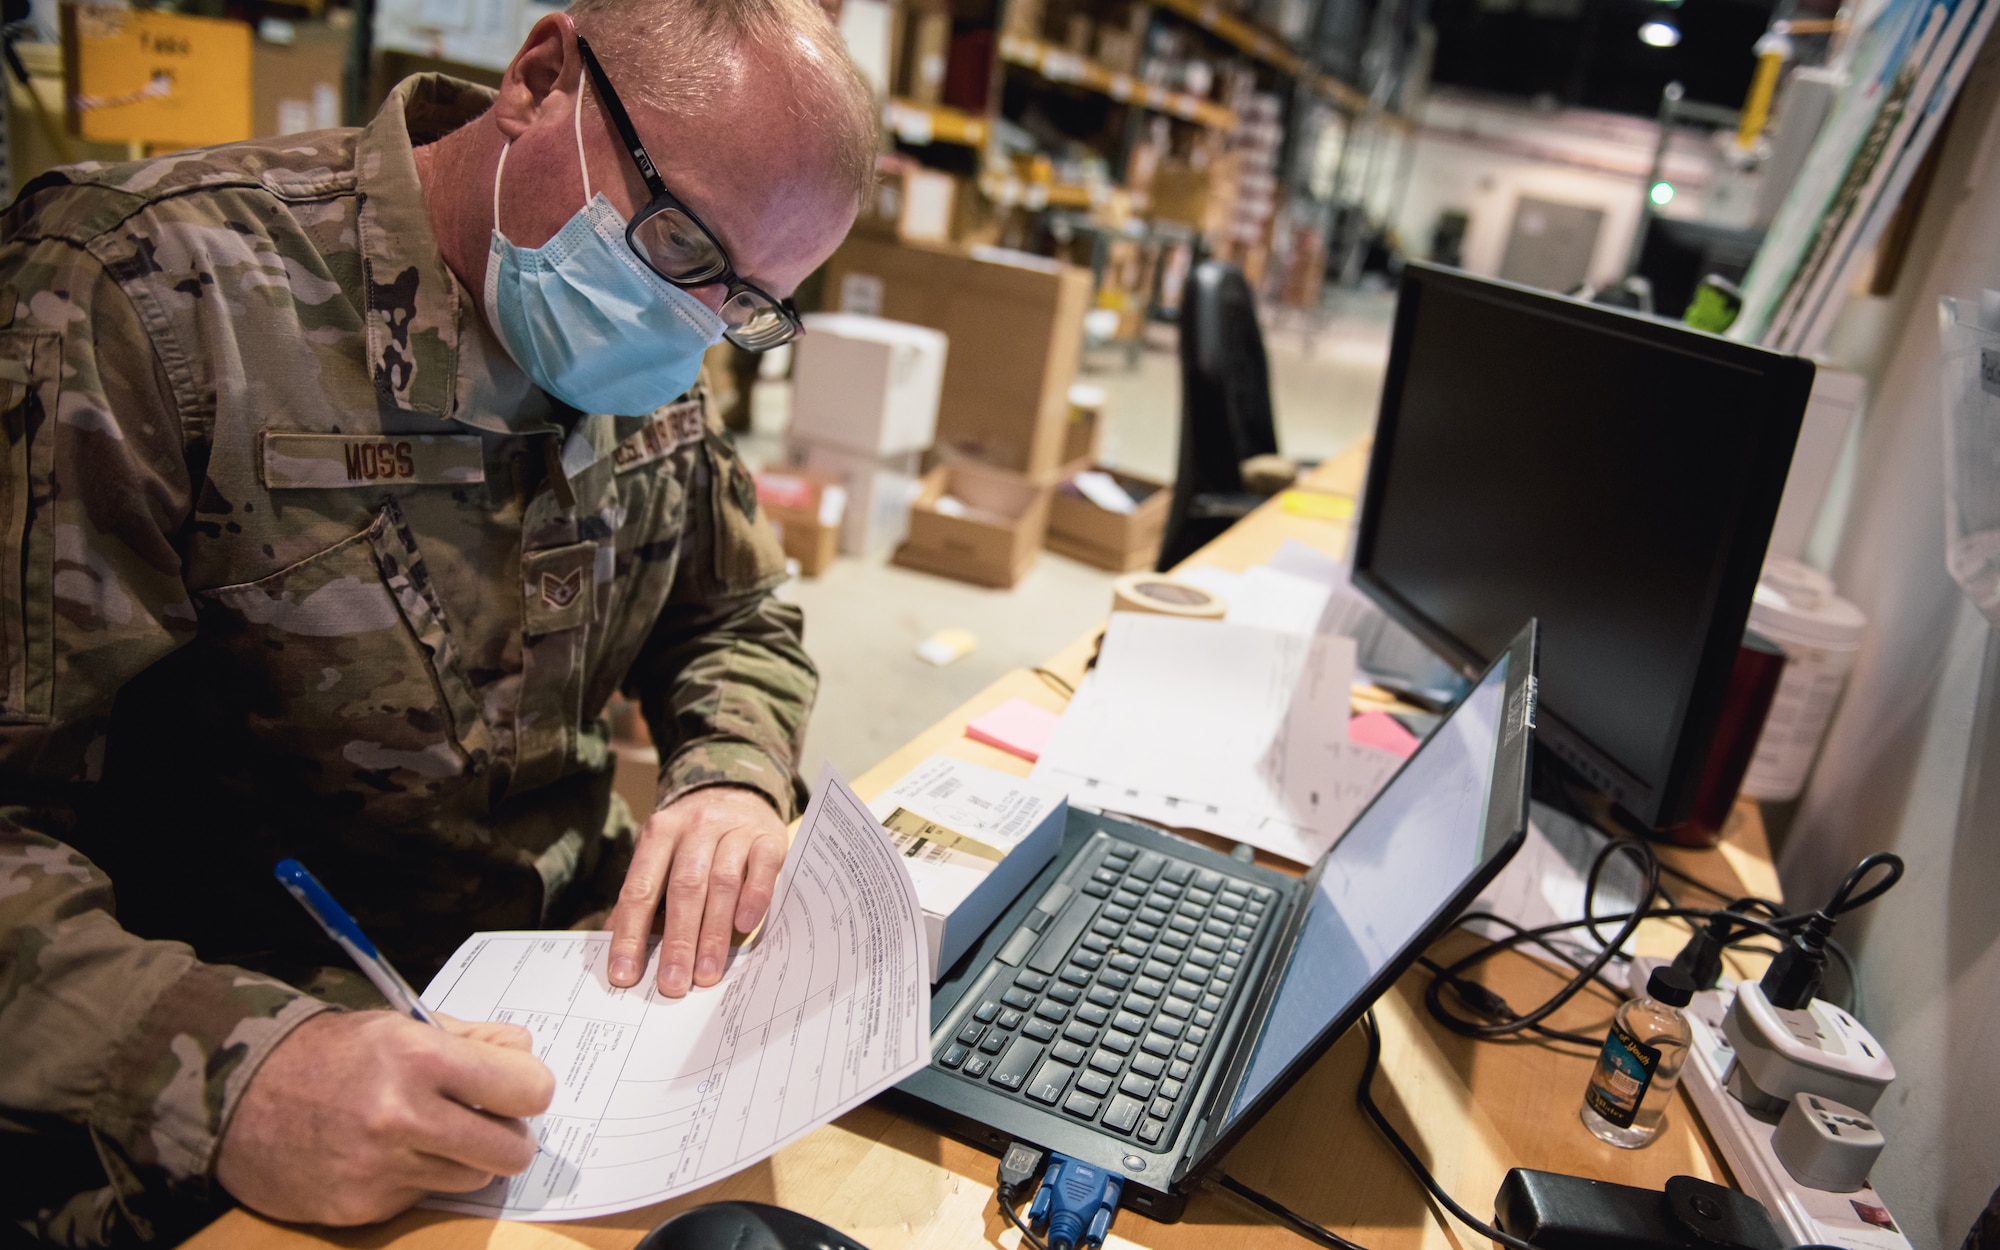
[(1796, 607)]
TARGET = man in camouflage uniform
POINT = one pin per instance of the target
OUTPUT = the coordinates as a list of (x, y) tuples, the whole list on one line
[(299, 560)]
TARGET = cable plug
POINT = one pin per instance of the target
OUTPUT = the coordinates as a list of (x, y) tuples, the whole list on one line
[(1075, 1203), (1017, 1167), (1794, 976), (1701, 958)]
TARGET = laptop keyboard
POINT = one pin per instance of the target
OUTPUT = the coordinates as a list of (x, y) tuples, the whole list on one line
[(1114, 1024)]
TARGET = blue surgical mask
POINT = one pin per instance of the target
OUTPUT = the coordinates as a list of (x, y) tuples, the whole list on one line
[(588, 320)]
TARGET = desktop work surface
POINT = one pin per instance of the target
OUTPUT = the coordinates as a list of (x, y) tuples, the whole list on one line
[(1472, 1109)]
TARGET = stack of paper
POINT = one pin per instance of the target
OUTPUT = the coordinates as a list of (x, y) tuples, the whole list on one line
[(1228, 728), (658, 1096)]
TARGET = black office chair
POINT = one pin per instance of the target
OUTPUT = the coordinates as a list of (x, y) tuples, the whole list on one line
[(1225, 409)]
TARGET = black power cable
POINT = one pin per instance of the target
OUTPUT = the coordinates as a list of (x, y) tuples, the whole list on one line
[(1733, 927), (1365, 1096), (1299, 1224), (1775, 924)]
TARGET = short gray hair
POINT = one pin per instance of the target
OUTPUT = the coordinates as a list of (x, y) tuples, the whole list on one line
[(683, 57)]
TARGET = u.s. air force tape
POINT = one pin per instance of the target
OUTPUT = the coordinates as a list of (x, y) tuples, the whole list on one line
[(1165, 596), (323, 461)]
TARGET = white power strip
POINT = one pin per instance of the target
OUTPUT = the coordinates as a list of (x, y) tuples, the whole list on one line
[(1859, 1220)]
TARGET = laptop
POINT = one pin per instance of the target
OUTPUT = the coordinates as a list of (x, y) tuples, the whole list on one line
[(1146, 999)]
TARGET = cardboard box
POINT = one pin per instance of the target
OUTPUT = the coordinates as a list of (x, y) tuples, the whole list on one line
[(928, 55), (914, 205), (973, 839), (1202, 198), (879, 492), (141, 76), (976, 523), (1121, 542), (297, 86), (867, 384), (807, 509), (1016, 325)]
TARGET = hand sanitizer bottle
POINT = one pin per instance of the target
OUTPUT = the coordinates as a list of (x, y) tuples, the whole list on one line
[(1626, 1103)]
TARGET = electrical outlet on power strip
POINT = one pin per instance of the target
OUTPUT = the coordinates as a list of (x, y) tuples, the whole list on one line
[(1839, 1143)]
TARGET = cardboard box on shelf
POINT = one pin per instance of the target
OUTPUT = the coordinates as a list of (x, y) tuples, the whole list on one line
[(1017, 325), (973, 839), (867, 384), (1024, 18), (1124, 542), (975, 220), (927, 54), (807, 509), (135, 75), (1117, 50), (915, 205), (1079, 33), (296, 85), (879, 492), (1204, 198), (976, 523)]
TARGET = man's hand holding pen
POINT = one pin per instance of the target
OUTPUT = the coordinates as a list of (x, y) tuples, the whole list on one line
[(388, 1109)]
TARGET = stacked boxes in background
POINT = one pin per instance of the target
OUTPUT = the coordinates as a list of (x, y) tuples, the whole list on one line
[(976, 523), (1245, 238), (864, 409), (1005, 426), (1113, 520)]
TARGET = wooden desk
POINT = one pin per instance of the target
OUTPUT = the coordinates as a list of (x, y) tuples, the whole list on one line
[(1472, 1109)]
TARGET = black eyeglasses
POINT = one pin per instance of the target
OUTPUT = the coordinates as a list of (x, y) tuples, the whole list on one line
[(674, 244)]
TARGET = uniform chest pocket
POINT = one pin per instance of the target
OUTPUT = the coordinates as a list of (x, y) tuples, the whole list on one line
[(348, 671)]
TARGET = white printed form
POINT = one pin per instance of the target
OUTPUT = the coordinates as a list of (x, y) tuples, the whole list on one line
[(656, 1096)]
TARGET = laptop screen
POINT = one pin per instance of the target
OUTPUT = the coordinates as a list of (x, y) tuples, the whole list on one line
[(1413, 849)]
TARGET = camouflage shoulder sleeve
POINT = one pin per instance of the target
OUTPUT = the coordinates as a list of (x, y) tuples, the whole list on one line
[(123, 1056), (127, 1053), (724, 680)]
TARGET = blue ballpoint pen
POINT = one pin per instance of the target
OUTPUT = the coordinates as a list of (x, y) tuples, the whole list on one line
[(341, 928)]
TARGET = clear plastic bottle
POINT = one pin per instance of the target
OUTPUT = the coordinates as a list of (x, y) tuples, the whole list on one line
[(1626, 1102)]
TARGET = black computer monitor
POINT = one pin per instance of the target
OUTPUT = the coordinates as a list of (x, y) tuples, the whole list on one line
[(1612, 474)]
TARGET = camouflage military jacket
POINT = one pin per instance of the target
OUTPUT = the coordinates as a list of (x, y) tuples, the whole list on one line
[(298, 562)]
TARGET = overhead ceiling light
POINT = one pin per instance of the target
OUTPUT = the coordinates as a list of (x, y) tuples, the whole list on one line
[(1660, 34), (1663, 193)]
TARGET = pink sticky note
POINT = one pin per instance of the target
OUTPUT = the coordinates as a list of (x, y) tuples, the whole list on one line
[(1018, 728), (1379, 729)]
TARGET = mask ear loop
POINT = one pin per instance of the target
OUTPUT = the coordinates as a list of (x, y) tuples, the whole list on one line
[(498, 170), (581, 87), (501, 168)]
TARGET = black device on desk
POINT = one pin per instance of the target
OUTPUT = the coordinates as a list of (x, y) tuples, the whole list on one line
[(1612, 475), (745, 1226), (1146, 999)]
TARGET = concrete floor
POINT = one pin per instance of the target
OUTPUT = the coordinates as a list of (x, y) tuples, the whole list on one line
[(864, 618)]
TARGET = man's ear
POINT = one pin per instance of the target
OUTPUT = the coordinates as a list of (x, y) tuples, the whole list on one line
[(545, 74)]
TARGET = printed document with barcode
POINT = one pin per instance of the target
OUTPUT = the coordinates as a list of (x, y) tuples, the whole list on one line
[(829, 1006)]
